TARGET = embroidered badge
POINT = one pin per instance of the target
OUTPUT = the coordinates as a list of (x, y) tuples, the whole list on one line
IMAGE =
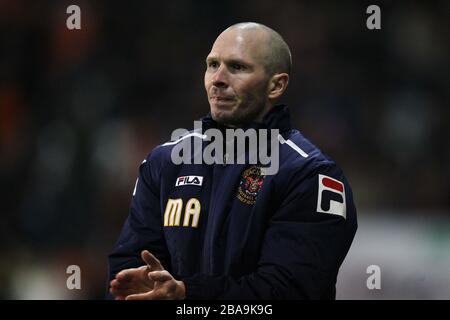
[(250, 184)]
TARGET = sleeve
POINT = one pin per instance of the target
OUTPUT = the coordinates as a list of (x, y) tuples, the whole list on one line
[(142, 228), (304, 245)]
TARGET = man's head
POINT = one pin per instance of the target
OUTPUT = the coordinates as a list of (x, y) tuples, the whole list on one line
[(247, 71)]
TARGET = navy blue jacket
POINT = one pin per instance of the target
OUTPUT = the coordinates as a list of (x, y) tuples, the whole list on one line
[(237, 234)]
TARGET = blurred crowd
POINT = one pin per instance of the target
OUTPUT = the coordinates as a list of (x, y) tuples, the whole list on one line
[(80, 109)]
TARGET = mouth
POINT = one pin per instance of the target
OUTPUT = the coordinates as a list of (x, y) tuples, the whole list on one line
[(225, 101), (222, 98)]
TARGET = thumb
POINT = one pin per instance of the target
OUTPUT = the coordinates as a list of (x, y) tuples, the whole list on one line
[(160, 276), (139, 296), (151, 260)]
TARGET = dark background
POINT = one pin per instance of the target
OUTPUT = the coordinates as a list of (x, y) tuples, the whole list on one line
[(80, 109)]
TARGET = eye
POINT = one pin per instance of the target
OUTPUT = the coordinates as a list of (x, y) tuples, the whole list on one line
[(213, 64), (238, 66)]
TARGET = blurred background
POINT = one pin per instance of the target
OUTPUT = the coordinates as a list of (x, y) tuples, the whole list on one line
[(80, 109)]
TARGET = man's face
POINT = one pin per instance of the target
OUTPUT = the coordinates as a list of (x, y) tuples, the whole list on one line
[(235, 79)]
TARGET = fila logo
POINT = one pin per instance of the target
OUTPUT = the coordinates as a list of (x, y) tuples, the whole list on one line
[(331, 196), (189, 180)]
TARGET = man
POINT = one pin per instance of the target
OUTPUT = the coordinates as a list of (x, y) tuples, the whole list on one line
[(227, 231)]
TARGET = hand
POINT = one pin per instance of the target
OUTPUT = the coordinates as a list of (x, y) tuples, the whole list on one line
[(147, 282), (165, 286), (135, 280)]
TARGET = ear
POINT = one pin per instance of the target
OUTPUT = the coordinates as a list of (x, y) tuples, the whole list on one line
[(277, 85)]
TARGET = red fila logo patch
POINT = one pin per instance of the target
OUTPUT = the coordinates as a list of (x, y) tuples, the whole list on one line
[(189, 180), (331, 196)]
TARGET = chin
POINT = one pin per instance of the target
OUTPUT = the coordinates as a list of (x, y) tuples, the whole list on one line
[(234, 116), (229, 118), (222, 116)]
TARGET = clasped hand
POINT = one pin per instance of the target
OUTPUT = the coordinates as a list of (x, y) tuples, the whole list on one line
[(148, 282)]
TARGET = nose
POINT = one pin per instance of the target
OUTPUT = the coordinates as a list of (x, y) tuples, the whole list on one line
[(220, 78)]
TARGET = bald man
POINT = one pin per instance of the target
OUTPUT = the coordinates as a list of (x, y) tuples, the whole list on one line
[(227, 230), (256, 63)]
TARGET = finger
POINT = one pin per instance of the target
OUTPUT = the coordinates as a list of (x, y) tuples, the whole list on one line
[(160, 276), (115, 292), (116, 285), (119, 284), (151, 260), (117, 289), (139, 296), (127, 274), (122, 292), (151, 295)]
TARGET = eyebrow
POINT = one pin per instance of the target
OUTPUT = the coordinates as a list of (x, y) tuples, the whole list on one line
[(230, 60)]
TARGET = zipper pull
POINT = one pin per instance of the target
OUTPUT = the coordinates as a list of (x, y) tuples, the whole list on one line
[(225, 159)]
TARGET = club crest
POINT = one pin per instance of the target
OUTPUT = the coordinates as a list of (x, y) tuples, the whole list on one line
[(250, 184)]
